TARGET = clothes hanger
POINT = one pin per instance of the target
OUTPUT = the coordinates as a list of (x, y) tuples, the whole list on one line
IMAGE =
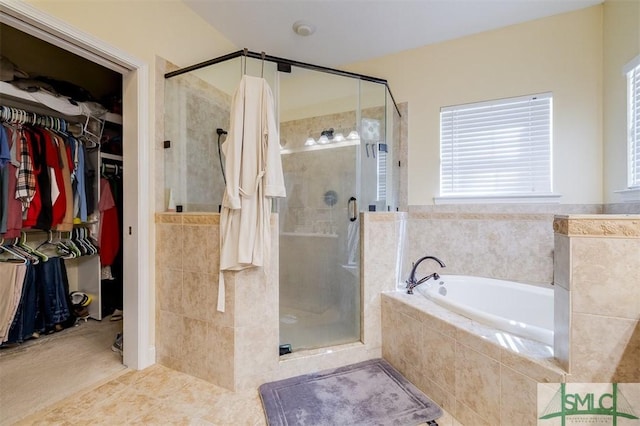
[(262, 54), (16, 255), (23, 245)]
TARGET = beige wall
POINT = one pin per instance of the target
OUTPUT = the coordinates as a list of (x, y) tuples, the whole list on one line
[(561, 54), (621, 45)]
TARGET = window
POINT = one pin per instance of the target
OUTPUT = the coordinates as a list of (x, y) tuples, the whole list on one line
[(498, 148), (633, 122)]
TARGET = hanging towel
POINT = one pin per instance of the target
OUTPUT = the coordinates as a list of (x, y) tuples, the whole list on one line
[(253, 171)]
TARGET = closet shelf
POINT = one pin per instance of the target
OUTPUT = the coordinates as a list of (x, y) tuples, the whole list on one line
[(47, 104), (111, 156), (332, 145)]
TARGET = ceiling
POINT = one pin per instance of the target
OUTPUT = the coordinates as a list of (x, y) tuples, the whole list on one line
[(349, 31)]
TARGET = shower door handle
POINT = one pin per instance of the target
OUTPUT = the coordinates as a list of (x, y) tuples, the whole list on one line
[(353, 209)]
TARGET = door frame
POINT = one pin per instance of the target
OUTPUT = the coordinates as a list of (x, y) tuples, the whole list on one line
[(139, 352)]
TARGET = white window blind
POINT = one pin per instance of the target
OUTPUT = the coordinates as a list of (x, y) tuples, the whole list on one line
[(497, 148), (633, 124)]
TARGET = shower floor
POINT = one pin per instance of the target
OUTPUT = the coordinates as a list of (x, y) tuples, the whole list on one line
[(305, 330)]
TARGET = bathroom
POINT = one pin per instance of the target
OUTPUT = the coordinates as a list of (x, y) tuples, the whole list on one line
[(471, 239)]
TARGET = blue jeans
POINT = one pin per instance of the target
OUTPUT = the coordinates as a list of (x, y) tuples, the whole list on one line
[(55, 288), (27, 319)]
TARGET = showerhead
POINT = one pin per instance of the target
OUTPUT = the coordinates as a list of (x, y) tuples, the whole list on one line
[(221, 132)]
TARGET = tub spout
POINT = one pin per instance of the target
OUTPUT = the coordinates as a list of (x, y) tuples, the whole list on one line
[(412, 282)]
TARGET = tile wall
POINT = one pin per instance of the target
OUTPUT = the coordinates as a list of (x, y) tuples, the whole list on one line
[(238, 349), (597, 297), (462, 365), (505, 241)]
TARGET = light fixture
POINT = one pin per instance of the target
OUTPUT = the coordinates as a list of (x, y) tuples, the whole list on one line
[(310, 142), (353, 135), (322, 140), (339, 137), (303, 28)]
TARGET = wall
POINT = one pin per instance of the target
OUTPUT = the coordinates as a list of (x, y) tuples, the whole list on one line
[(561, 54), (507, 241), (466, 368), (597, 297), (621, 45), (238, 349)]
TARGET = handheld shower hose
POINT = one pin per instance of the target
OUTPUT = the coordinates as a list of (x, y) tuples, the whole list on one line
[(221, 132)]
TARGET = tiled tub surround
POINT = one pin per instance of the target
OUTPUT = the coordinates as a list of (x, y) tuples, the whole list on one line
[(484, 376), (238, 349), (505, 241), (597, 297), (480, 375)]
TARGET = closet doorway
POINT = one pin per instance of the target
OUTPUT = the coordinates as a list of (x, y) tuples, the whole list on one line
[(137, 324)]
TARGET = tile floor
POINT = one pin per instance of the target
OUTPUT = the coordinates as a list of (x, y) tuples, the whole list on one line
[(159, 396), (73, 377)]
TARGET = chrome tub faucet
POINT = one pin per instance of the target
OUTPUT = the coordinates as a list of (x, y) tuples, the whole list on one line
[(412, 282)]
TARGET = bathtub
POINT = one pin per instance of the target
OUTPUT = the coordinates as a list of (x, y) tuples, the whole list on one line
[(521, 309)]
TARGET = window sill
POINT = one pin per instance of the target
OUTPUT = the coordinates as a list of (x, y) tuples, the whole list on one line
[(487, 199), (631, 195)]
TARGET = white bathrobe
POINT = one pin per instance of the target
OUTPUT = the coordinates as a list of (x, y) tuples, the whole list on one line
[(253, 169)]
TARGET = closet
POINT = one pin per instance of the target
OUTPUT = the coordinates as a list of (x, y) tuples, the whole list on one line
[(48, 92)]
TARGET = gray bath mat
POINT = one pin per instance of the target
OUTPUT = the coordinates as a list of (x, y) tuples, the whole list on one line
[(368, 393)]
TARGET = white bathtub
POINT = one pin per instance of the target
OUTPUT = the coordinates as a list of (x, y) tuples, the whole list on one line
[(521, 309)]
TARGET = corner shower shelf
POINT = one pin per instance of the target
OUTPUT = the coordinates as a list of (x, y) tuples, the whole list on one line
[(331, 145)]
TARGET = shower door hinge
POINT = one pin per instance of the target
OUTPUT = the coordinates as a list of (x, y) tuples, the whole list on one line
[(167, 144)]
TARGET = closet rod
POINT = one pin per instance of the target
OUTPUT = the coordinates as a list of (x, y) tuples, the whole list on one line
[(278, 60)]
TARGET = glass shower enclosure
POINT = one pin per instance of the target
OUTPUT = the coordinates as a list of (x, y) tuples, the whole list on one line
[(336, 138)]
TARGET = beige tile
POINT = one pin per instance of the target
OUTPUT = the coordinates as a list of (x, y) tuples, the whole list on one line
[(198, 257), (562, 327), (475, 338), (410, 341), (443, 397), (199, 294), (562, 261), (256, 354), (169, 242), (169, 335), (478, 383), (241, 408), (604, 349), (465, 415), (256, 299), (518, 399), (168, 218), (169, 290), (195, 350), (112, 410), (606, 273), (439, 358), (544, 370), (201, 219), (220, 362)]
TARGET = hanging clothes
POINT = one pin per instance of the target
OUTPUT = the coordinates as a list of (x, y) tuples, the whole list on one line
[(109, 234), (253, 170)]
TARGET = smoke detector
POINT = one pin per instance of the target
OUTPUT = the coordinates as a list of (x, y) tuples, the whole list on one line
[(303, 28)]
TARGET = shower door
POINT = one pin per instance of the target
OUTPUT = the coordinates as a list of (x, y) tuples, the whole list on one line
[(323, 160)]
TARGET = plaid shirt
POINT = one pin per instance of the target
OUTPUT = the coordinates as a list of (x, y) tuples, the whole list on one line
[(26, 184)]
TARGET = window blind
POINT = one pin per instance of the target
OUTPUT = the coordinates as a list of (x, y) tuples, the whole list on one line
[(496, 148), (633, 120)]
